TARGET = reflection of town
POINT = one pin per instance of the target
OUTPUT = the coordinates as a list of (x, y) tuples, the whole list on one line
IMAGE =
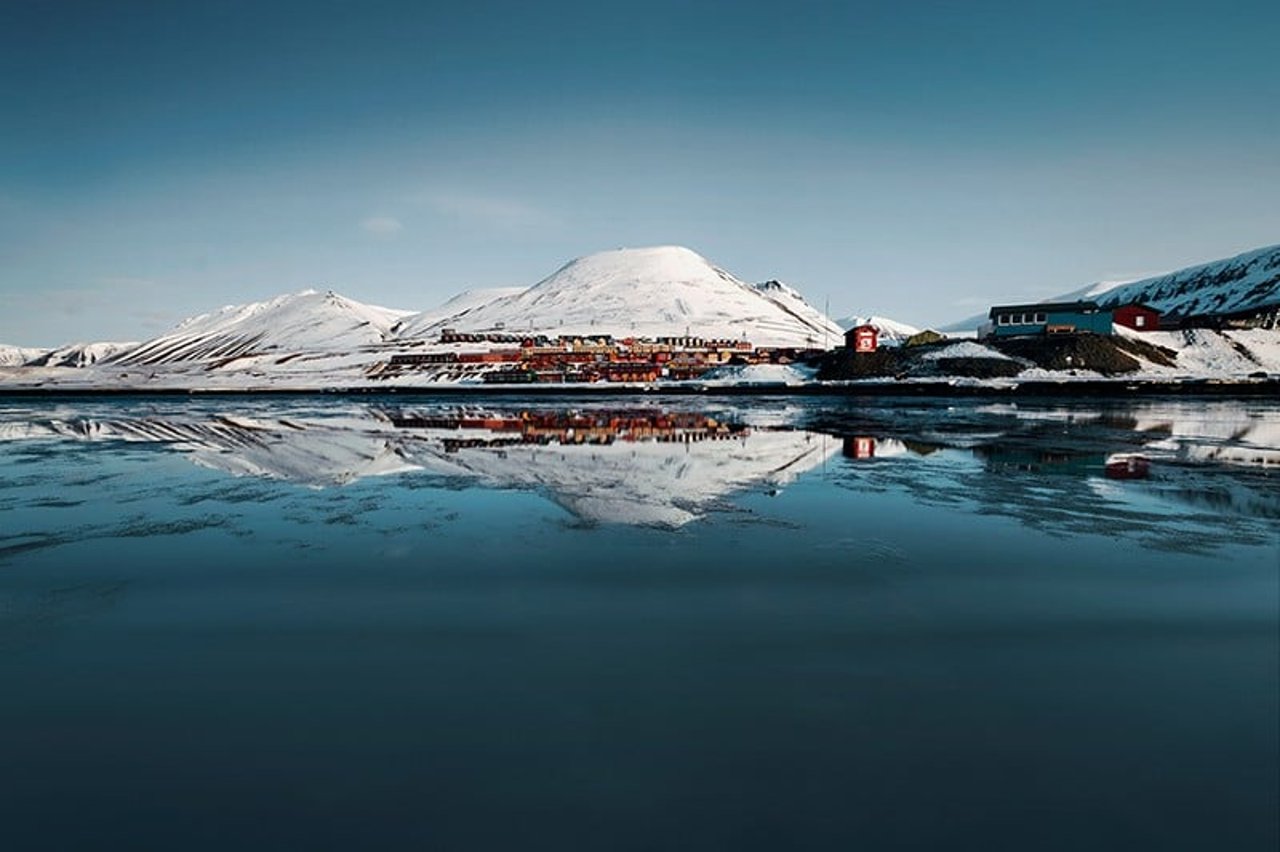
[(598, 427), (633, 465), (1010, 459), (666, 466), (1072, 467), (1003, 459)]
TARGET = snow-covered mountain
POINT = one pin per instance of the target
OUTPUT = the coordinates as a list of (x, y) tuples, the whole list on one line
[(651, 292), (891, 331), (789, 299), (297, 322), (79, 354), (1245, 282), (16, 356), (414, 325)]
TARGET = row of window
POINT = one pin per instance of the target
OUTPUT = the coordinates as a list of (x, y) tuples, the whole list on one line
[(1020, 319)]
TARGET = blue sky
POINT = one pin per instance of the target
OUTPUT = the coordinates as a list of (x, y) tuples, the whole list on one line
[(914, 160)]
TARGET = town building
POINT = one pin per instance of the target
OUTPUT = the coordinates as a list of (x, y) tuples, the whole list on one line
[(1137, 316), (1049, 318), (862, 338)]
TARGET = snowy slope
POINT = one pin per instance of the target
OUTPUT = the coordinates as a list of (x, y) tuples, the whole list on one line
[(298, 322), (1206, 353), (79, 354), (789, 299), (1244, 282), (16, 356), (891, 331), (651, 292), (415, 324)]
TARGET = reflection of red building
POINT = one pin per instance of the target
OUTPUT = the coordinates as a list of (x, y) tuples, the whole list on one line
[(1128, 466), (863, 338), (861, 447), (1137, 316)]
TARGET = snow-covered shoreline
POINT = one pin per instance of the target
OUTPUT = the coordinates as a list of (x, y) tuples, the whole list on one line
[(1048, 384), (661, 319)]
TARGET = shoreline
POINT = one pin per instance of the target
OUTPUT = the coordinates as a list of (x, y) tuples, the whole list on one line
[(1085, 389)]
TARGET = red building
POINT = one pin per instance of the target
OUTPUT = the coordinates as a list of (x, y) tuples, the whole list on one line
[(863, 338), (1137, 316)]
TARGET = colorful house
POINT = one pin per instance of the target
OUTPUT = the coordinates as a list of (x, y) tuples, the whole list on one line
[(1049, 318), (862, 338), (1137, 316)]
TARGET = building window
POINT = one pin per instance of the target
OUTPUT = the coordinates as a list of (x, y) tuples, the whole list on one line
[(1040, 318), (1139, 321), (1002, 319)]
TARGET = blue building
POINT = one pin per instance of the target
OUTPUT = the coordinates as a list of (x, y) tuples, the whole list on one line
[(1049, 318)]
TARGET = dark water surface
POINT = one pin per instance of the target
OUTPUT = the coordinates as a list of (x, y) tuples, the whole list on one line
[(690, 624)]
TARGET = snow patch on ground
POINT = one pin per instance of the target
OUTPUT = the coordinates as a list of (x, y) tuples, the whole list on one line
[(964, 349), (1206, 353), (758, 374)]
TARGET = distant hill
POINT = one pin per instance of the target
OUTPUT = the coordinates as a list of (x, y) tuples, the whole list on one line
[(16, 356), (297, 322), (1245, 282), (79, 354), (890, 331)]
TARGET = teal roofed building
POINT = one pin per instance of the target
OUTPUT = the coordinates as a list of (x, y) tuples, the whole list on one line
[(1050, 318)]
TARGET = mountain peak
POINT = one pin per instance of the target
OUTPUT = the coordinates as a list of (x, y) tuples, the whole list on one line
[(649, 292), (298, 321)]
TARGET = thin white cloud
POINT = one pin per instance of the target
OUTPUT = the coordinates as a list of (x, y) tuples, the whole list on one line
[(488, 210), (382, 226)]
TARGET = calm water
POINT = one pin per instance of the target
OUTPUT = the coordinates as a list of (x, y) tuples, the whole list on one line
[(768, 624)]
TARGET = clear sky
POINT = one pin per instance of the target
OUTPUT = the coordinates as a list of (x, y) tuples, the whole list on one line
[(916, 160)]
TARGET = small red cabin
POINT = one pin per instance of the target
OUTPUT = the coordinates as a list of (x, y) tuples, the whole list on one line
[(1138, 317), (863, 338)]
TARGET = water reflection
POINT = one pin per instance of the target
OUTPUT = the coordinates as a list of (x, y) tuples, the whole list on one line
[(1060, 467), (1177, 475)]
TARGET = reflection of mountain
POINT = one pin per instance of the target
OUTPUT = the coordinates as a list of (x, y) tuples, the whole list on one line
[(621, 466), (1118, 468), (665, 480), (328, 451)]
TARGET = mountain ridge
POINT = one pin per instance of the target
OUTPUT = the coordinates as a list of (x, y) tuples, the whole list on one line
[(1242, 282), (650, 292)]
